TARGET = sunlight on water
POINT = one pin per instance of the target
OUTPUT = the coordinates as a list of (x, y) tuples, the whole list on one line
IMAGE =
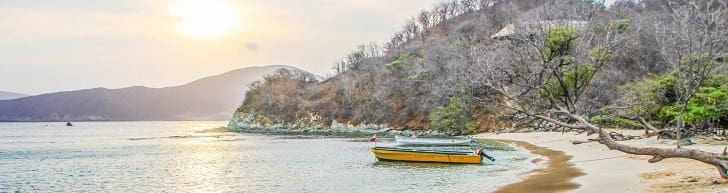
[(172, 157)]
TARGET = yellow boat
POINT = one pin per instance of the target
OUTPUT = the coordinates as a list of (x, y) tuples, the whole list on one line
[(414, 155)]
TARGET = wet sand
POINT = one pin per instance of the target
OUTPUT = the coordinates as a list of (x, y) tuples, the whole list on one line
[(557, 176), (613, 171)]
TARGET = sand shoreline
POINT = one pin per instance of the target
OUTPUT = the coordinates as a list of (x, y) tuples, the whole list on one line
[(555, 176), (613, 171)]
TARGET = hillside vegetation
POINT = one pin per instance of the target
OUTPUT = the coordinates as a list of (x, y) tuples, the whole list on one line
[(481, 65)]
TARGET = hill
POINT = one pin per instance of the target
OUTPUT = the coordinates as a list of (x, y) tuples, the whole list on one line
[(11, 95), (480, 65), (210, 98)]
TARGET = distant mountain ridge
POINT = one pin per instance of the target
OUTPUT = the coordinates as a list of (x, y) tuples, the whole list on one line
[(209, 98), (11, 95)]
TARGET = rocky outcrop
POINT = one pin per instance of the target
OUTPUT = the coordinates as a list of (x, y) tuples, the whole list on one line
[(256, 123)]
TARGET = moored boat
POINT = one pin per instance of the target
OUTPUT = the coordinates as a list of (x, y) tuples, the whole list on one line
[(441, 156), (431, 141)]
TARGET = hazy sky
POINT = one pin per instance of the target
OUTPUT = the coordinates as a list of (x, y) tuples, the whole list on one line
[(53, 45)]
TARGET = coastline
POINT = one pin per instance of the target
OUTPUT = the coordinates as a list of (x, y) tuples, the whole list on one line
[(555, 176), (613, 171)]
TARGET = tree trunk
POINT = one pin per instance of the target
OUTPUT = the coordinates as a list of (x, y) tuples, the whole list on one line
[(680, 124), (647, 126), (679, 130)]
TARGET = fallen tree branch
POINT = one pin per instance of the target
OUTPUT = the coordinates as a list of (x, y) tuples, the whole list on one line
[(554, 121), (719, 160), (646, 124)]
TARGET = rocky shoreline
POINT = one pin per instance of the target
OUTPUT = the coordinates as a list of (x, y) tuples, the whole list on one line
[(249, 123)]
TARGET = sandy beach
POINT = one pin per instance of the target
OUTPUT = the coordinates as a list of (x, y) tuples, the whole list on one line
[(555, 175), (613, 171)]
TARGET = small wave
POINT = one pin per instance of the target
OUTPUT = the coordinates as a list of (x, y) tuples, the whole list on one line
[(181, 137), (236, 139), (13, 136), (199, 136), (142, 138)]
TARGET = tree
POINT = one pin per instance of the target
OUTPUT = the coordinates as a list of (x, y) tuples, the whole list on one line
[(424, 19), (468, 5), (455, 115), (411, 29), (548, 75), (443, 11), (708, 104), (694, 36)]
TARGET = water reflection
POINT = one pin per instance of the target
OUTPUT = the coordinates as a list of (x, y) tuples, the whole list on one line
[(417, 165), (99, 157), (208, 164)]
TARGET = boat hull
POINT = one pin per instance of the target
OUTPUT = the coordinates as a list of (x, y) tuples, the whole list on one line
[(414, 156)]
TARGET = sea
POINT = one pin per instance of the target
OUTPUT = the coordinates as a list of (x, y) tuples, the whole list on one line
[(180, 157)]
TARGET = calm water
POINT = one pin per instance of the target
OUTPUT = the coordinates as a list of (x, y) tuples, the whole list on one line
[(172, 157)]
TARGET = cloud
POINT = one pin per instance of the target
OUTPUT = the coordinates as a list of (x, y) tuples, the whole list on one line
[(251, 46)]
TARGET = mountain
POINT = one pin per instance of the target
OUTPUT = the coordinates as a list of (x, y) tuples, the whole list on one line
[(210, 98), (11, 95)]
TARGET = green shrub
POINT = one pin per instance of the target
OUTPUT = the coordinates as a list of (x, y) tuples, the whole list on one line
[(400, 62), (558, 42), (621, 25), (453, 116)]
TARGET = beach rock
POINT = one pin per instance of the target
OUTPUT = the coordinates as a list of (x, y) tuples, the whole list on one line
[(718, 138), (687, 142), (252, 122)]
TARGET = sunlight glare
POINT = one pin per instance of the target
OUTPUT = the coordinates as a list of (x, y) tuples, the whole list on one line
[(205, 18)]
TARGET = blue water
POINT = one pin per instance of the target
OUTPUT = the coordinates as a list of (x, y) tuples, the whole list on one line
[(173, 157)]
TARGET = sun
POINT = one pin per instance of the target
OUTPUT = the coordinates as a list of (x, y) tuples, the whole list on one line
[(205, 18)]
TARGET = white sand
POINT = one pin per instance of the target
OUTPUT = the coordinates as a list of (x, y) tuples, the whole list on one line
[(608, 170)]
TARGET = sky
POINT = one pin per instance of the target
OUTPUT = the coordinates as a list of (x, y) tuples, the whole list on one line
[(50, 45)]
